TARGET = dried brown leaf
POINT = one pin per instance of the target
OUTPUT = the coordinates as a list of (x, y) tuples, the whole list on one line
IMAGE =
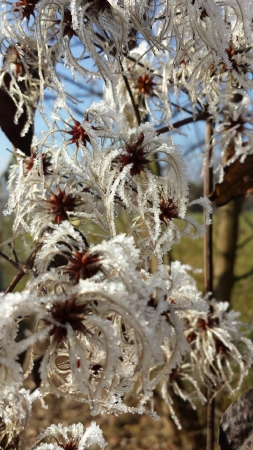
[(236, 425), (238, 182)]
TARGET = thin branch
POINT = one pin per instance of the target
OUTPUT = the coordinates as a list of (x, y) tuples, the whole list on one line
[(243, 276), (88, 88), (244, 242), (25, 268), (143, 66), (201, 116), (248, 221), (15, 281), (194, 147), (208, 188), (129, 90), (181, 108), (7, 258), (208, 270), (15, 254)]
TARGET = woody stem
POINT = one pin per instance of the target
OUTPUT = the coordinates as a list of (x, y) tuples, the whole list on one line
[(208, 270)]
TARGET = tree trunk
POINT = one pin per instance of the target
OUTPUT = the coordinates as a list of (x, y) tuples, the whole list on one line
[(226, 243)]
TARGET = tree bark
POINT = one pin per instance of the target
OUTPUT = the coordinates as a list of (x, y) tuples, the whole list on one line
[(226, 243)]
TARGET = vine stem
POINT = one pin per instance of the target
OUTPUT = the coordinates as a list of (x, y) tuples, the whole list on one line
[(208, 188), (129, 90), (208, 270), (25, 268), (201, 116)]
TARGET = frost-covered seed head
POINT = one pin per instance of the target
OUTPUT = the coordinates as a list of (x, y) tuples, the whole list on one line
[(61, 203), (136, 156), (83, 265)]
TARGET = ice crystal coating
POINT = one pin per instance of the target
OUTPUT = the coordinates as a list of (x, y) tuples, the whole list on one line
[(15, 411), (105, 332), (218, 344), (117, 176), (104, 327), (71, 437)]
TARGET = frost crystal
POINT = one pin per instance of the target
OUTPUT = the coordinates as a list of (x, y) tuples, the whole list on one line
[(102, 196), (71, 437)]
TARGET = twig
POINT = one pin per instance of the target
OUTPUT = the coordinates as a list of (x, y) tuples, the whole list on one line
[(244, 242), (244, 275), (181, 108), (210, 426), (208, 188), (201, 116), (144, 66), (15, 281), (208, 269), (25, 268), (248, 221), (14, 263), (129, 90)]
